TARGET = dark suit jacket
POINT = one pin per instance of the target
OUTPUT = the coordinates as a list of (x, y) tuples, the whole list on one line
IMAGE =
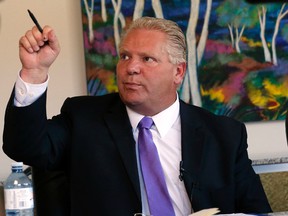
[(92, 140)]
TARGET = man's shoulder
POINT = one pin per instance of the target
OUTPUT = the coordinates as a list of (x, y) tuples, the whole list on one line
[(112, 97), (206, 116), (96, 102)]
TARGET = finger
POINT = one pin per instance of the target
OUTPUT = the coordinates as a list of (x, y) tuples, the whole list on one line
[(24, 43), (38, 36), (27, 42), (32, 40)]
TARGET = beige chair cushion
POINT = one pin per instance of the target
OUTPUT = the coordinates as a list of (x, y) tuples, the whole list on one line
[(276, 189)]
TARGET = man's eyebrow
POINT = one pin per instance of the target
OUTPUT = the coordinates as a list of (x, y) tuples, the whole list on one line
[(122, 50), (142, 54)]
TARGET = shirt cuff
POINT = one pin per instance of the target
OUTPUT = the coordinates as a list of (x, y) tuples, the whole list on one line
[(27, 93)]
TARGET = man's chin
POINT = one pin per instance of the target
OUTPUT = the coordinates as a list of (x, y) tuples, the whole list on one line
[(131, 103), (131, 99)]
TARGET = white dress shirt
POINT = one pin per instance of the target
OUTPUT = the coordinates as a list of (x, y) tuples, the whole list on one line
[(27, 93), (166, 133)]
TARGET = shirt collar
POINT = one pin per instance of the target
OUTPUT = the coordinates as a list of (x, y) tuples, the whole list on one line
[(163, 120)]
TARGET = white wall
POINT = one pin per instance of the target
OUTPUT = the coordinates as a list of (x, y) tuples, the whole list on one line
[(267, 140), (67, 77)]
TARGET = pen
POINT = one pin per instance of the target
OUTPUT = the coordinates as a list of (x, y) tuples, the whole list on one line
[(35, 21)]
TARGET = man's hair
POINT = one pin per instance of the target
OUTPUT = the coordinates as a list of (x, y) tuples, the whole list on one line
[(176, 46)]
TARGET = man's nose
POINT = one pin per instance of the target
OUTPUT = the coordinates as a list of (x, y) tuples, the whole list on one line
[(133, 67)]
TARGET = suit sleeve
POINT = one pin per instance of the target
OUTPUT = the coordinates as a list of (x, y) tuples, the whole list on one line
[(250, 195), (30, 137)]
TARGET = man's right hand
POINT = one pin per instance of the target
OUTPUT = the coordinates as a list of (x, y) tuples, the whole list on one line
[(37, 52)]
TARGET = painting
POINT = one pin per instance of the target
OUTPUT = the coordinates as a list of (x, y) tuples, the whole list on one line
[(237, 51)]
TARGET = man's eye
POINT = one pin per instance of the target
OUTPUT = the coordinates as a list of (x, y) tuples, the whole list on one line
[(148, 59), (124, 57)]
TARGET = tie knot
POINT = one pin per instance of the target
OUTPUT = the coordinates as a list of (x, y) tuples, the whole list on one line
[(145, 122)]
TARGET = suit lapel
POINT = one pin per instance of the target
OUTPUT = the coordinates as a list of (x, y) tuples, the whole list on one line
[(193, 135), (193, 143), (119, 125)]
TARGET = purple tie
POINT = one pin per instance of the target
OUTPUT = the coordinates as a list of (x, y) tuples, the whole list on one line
[(155, 185)]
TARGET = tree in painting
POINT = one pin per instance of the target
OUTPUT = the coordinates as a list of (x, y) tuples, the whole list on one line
[(195, 50), (237, 61), (236, 16)]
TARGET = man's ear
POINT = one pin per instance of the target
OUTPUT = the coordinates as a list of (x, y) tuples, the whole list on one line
[(180, 73)]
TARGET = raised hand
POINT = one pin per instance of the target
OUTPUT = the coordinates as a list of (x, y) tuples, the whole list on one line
[(37, 52)]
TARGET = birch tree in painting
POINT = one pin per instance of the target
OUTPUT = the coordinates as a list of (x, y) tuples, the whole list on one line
[(262, 14), (190, 88), (237, 16), (190, 91), (117, 9), (138, 9), (89, 12), (103, 11), (280, 16), (262, 20), (120, 15), (157, 8), (204, 34)]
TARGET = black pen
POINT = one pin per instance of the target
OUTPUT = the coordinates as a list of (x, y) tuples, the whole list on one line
[(35, 21)]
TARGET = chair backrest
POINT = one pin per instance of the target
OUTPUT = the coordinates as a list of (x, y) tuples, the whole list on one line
[(286, 126), (275, 185), (51, 191)]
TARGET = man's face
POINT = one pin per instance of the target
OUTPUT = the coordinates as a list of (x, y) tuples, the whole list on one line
[(147, 81)]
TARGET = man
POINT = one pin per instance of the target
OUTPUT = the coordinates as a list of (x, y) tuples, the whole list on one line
[(95, 139)]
